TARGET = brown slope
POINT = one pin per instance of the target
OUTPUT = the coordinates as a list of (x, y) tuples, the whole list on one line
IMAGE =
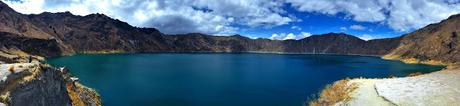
[(19, 37), (16, 23), (97, 32), (434, 43)]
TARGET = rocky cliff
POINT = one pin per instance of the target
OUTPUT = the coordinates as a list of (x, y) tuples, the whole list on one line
[(32, 84)]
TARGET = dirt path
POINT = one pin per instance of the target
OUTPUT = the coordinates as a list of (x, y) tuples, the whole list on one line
[(440, 88)]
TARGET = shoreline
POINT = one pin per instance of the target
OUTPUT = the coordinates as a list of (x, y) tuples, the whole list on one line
[(216, 52)]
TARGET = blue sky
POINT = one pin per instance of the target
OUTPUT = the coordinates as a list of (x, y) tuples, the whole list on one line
[(317, 23), (274, 19)]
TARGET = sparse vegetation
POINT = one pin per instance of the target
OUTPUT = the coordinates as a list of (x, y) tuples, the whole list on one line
[(81, 95), (332, 94), (415, 74), (73, 94), (391, 76)]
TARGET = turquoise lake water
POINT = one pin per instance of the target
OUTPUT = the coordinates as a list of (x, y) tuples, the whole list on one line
[(188, 79)]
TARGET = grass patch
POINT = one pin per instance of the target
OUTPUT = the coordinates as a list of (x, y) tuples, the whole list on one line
[(82, 96), (332, 94), (415, 74), (74, 95)]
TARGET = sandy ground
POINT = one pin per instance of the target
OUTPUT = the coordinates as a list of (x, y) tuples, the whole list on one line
[(18, 67), (440, 88)]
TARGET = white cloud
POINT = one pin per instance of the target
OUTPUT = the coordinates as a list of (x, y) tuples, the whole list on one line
[(369, 37), (343, 28), (252, 37), (401, 15), (284, 36), (172, 16), (225, 16), (357, 27), (296, 28), (366, 37)]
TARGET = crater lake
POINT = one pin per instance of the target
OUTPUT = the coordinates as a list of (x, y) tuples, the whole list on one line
[(222, 79)]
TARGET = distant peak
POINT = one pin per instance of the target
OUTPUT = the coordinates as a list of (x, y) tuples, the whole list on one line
[(238, 35), (334, 33), (67, 13), (338, 35), (98, 15)]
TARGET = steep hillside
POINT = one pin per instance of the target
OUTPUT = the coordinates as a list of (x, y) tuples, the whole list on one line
[(97, 32), (434, 43), (18, 24)]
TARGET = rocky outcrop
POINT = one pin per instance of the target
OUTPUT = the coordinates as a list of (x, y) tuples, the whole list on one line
[(31, 84)]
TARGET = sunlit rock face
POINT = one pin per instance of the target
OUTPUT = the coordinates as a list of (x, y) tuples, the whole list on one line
[(435, 43)]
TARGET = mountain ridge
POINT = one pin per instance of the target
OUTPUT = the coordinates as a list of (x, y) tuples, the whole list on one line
[(100, 33)]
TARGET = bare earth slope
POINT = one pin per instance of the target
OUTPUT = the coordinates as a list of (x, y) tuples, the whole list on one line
[(436, 42)]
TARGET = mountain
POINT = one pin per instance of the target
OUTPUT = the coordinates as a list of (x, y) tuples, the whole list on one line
[(97, 32), (54, 34), (438, 43)]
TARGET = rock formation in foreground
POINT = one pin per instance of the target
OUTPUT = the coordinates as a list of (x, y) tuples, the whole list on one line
[(25, 84)]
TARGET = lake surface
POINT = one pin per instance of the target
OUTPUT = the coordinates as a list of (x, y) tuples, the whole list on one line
[(188, 79)]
